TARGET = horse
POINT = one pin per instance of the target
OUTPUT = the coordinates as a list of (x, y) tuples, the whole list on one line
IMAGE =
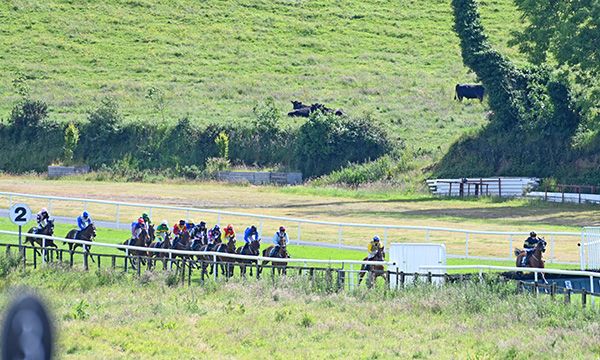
[(374, 270), (281, 254), (228, 248), (88, 234), (208, 258), (535, 259), (143, 240), (165, 244), (253, 249), (47, 230)]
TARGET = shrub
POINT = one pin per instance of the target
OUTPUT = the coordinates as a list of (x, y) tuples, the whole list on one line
[(327, 142), (28, 113), (8, 263), (71, 140), (222, 142)]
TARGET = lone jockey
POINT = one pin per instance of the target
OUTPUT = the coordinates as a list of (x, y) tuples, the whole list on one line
[(84, 220), (529, 245), (250, 234), (136, 230), (373, 248), (280, 236), (42, 219)]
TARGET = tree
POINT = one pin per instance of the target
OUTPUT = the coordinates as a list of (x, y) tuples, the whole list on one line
[(71, 140)]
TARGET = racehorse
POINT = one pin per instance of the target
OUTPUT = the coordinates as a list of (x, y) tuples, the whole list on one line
[(535, 259), (208, 258), (253, 249), (165, 244), (224, 261), (143, 240), (374, 270), (281, 254), (47, 230), (88, 234)]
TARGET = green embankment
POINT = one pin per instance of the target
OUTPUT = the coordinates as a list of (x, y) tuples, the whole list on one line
[(215, 60)]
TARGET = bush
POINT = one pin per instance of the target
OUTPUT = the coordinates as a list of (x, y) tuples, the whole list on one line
[(327, 142), (71, 140), (8, 263), (29, 113)]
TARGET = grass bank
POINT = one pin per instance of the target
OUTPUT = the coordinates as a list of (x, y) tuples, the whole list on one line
[(111, 315)]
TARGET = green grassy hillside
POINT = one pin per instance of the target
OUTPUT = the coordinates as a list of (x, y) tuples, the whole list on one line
[(214, 60)]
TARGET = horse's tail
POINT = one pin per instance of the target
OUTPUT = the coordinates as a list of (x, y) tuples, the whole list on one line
[(518, 251)]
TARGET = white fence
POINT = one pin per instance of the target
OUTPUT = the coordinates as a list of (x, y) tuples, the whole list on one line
[(565, 197), (459, 242), (495, 186)]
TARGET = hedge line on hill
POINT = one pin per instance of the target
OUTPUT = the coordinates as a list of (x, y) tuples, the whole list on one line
[(534, 118), (324, 143)]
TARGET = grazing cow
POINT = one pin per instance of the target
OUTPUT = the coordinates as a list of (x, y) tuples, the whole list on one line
[(302, 110), (469, 91)]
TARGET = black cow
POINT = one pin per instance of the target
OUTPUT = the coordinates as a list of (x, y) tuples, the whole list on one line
[(469, 91), (302, 110)]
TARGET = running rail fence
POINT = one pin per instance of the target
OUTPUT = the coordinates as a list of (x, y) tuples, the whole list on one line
[(463, 243)]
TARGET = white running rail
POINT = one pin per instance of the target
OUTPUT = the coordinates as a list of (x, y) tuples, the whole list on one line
[(428, 231)]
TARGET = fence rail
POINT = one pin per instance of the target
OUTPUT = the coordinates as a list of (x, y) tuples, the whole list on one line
[(460, 242)]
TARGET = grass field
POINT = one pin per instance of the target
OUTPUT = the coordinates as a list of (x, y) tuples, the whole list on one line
[(214, 60), (330, 205), (109, 314)]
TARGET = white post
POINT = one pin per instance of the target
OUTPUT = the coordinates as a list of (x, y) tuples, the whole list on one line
[(385, 238), (299, 233), (467, 245), (150, 213), (537, 290), (50, 206), (187, 216), (216, 269), (592, 288), (43, 250), (340, 234), (85, 205), (510, 249), (581, 251), (260, 228), (9, 201), (552, 248), (118, 215), (427, 235), (219, 220), (351, 278)]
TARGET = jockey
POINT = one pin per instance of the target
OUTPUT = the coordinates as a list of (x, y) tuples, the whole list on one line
[(147, 221), (373, 248), (529, 245), (162, 230), (250, 234), (180, 227), (84, 220), (136, 230), (229, 233), (214, 235), (42, 219), (199, 233), (279, 237)]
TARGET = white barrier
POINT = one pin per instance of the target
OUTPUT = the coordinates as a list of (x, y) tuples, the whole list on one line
[(427, 230), (172, 252)]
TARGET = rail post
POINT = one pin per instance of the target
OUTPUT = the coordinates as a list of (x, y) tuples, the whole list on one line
[(583, 298), (299, 233), (340, 234), (467, 245), (552, 248), (385, 238), (43, 250), (215, 268), (567, 296), (260, 228), (219, 219), (117, 215), (427, 235), (592, 289), (510, 248), (50, 206), (85, 261)]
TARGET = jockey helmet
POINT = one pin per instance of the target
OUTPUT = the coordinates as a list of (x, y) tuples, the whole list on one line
[(532, 234), (282, 229), (181, 222), (140, 221), (145, 216), (164, 222), (253, 228), (229, 227), (44, 211), (202, 225), (216, 227), (375, 238), (85, 215)]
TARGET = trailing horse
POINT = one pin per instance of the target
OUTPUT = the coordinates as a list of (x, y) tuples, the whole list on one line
[(281, 254), (535, 259), (225, 261), (47, 230), (88, 234), (374, 271), (165, 244), (253, 249)]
